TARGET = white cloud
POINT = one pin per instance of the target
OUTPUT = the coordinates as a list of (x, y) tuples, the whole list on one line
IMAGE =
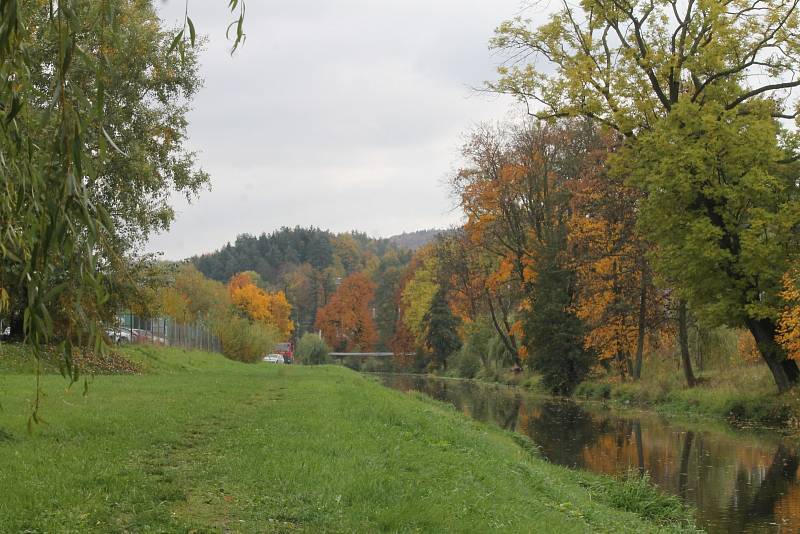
[(342, 114)]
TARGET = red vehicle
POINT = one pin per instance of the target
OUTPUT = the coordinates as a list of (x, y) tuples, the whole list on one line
[(286, 350)]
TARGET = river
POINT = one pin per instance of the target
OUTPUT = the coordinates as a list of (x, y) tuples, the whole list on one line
[(738, 481)]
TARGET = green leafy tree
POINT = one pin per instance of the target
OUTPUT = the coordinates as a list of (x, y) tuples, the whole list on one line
[(724, 215), (441, 329), (92, 148), (83, 91), (388, 277)]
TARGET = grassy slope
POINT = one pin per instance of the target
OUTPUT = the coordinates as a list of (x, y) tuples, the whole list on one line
[(201, 442)]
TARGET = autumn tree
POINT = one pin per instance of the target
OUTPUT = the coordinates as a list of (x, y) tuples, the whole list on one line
[(418, 293), (174, 304), (346, 321), (481, 289), (301, 283), (205, 298), (516, 197), (281, 312), (669, 74), (789, 324), (617, 297), (261, 306), (403, 343)]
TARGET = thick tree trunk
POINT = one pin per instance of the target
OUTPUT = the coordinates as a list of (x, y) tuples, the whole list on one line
[(784, 371), (683, 341), (637, 366)]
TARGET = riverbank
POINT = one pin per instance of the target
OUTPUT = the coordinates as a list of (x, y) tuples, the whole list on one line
[(741, 396), (737, 480), (195, 441)]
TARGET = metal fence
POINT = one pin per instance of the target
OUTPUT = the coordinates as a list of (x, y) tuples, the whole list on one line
[(165, 331)]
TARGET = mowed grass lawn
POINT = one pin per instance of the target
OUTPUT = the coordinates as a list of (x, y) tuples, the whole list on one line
[(200, 443)]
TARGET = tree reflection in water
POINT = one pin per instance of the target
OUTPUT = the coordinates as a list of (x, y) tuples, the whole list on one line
[(738, 482)]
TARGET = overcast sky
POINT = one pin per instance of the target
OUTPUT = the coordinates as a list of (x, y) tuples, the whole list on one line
[(342, 114)]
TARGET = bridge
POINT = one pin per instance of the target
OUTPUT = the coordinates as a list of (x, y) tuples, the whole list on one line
[(363, 355)]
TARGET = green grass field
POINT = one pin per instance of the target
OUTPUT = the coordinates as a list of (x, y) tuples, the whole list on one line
[(199, 443)]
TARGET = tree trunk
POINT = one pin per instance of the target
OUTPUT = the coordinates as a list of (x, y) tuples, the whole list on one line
[(683, 473), (508, 341), (637, 366), (17, 327), (637, 430), (683, 341), (784, 371), (623, 364)]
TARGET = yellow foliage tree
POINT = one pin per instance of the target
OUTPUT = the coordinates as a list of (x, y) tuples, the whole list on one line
[(417, 296), (280, 311), (252, 301), (174, 304), (260, 306)]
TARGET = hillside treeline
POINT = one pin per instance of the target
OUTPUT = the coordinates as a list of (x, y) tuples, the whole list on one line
[(309, 265)]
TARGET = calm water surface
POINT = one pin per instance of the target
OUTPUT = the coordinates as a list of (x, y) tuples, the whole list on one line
[(737, 481)]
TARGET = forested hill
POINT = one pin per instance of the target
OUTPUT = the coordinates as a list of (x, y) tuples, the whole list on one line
[(271, 255), (415, 240), (307, 263)]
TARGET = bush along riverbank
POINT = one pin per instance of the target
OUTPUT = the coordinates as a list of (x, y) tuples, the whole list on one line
[(198, 442), (742, 396), (730, 390)]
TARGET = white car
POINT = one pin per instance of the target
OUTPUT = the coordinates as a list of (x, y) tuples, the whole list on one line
[(120, 336), (274, 358)]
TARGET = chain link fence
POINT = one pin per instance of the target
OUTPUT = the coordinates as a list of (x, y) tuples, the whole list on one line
[(164, 331)]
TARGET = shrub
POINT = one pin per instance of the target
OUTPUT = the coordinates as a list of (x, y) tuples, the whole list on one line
[(636, 494), (244, 341), (312, 350), (467, 364)]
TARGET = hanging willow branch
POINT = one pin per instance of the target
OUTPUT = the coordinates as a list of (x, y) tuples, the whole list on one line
[(49, 225)]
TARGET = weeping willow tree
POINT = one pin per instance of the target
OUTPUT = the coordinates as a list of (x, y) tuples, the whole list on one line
[(92, 129)]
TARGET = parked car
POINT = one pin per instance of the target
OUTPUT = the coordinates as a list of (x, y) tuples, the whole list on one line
[(119, 336), (274, 358), (146, 336)]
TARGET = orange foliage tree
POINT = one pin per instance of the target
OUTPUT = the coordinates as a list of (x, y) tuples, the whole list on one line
[(259, 305), (789, 325), (346, 321), (515, 195), (616, 296)]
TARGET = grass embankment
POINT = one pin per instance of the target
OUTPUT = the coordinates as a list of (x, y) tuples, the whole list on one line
[(199, 442), (740, 395)]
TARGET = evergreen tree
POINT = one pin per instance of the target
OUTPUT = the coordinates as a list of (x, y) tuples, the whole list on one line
[(441, 335), (554, 332)]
